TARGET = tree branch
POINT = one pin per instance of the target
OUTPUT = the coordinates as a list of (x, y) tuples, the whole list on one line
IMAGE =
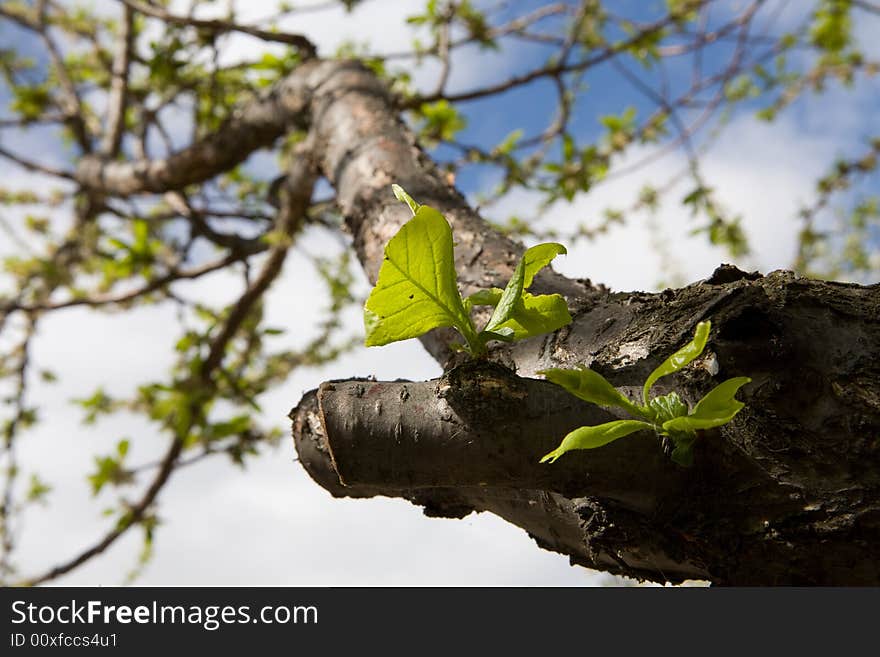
[(119, 87), (480, 425), (754, 509), (256, 125), (577, 527), (217, 26)]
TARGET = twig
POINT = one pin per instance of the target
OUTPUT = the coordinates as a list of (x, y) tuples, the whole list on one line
[(217, 26), (119, 86)]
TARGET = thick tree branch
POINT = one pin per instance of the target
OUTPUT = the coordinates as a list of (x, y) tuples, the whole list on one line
[(256, 125), (480, 425), (576, 527), (788, 493)]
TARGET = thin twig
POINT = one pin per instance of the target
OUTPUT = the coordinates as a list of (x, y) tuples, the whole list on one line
[(300, 42), (119, 86)]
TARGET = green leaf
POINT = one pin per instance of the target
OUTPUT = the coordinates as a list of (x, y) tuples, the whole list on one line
[(529, 314), (666, 408), (503, 334), (441, 121), (535, 315), (591, 437), (533, 261), (680, 358), (683, 453), (37, 490), (538, 257), (716, 408), (489, 297), (511, 295), (509, 142), (417, 289), (401, 195), (590, 386), (238, 425)]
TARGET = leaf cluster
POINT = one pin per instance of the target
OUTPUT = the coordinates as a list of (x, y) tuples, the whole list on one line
[(666, 415), (417, 290)]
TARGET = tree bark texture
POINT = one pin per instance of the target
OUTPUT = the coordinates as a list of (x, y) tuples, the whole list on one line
[(787, 493)]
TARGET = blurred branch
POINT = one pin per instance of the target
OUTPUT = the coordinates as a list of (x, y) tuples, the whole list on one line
[(218, 26), (119, 86), (71, 104)]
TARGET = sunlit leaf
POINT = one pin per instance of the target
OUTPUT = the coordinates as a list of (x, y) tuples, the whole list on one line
[(716, 408), (538, 257), (509, 298), (592, 437), (590, 386), (680, 358), (417, 289), (525, 314)]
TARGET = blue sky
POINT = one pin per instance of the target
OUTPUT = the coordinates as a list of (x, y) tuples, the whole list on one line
[(270, 524)]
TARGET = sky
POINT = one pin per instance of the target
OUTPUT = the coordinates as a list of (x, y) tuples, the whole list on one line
[(269, 524)]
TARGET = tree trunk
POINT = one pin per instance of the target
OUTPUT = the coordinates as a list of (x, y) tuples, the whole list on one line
[(787, 493)]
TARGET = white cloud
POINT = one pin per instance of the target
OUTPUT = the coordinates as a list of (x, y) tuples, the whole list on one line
[(763, 172)]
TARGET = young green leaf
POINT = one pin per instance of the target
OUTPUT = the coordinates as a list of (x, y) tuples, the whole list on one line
[(509, 298), (591, 437), (589, 386), (525, 314), (532, 315), (504, 334), (538, 257), (680, 358), (488, 297), (536, 315), (716, 408), (533, 261), (666, 408), (401, 195), (417, 289)]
